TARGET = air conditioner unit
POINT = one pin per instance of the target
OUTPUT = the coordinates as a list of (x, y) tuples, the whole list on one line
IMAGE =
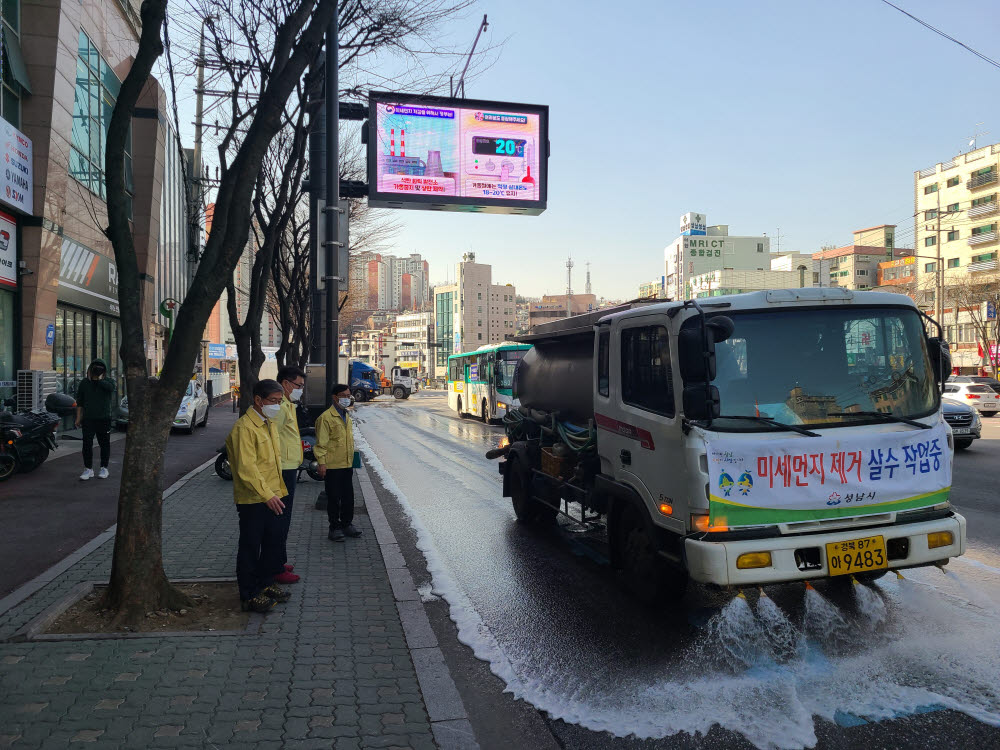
[(32, 388)]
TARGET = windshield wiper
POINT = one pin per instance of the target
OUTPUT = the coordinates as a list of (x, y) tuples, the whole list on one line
[(773, 423), (884, 416)]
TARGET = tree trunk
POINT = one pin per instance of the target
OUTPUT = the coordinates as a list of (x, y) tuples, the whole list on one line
[(138, 583)]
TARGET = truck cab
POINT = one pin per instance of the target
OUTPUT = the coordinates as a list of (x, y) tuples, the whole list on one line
[(403, 382), (750, 439)]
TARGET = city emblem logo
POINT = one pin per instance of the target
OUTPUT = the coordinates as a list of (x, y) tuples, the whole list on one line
[(745, 483), (834, 499), (725, 483)]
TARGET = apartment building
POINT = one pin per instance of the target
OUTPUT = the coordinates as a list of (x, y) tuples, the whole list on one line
[(473, 311), (956, 208), (653, 289), (856, 266), (388, 282)]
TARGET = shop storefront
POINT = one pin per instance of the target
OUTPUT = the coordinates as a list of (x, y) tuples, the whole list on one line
[(8, 301), (86, 326)]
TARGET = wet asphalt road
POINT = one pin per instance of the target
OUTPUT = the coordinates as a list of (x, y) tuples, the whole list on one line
[(911, 663), (49, 513)]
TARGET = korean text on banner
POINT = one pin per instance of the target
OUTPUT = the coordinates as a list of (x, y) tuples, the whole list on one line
[(789, 479)]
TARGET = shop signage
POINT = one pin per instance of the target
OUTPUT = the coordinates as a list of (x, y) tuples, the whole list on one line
[(216, 351), (8, 251), (50, 334), (693, 224), (15, 174), (87, 278)]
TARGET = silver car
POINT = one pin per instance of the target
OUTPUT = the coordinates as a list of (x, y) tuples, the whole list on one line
[(194, 407)]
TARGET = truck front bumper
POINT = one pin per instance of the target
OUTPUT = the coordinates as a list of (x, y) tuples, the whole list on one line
[(906, 544)]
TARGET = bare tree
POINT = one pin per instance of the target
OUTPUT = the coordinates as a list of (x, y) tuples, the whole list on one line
[(291, 32), (971, 295)]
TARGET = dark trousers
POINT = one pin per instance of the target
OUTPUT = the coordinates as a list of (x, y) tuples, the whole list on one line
[(289, 476), (259, 548), (101, 429), (339, 497)]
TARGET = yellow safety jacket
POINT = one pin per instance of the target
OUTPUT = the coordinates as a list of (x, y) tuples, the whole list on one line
[(255, 459), (288, 435), (334, 440)]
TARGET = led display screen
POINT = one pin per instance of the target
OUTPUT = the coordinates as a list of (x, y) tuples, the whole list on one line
[(457, 154)]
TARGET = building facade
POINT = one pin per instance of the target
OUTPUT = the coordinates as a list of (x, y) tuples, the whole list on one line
[(414, 342), (473, 311), (957, 240), (700, 249), (654, 289), (388, 282), (553, 306), (63, 65), (856, 266)]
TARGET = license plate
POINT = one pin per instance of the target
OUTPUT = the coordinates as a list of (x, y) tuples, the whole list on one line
[(856, 555), (960, 430)]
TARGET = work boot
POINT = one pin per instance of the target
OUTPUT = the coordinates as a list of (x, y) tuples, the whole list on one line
[(336, 535), (259, 603), (276, 592), (351, 531)]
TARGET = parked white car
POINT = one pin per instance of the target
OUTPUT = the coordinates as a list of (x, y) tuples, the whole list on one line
[(194, 407), (982, 397)]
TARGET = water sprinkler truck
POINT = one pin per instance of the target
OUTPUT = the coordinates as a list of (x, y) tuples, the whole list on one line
[(751, 439)]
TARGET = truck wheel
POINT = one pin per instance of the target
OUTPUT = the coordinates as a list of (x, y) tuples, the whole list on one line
[(645, 574), (398, 392), (526, 509), (359, 395)]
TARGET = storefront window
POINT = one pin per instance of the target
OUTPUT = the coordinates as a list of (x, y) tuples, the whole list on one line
[(82, 337), (6, 340)]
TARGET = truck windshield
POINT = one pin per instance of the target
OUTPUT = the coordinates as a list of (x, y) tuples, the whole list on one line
[(815, 367), (506, 362)]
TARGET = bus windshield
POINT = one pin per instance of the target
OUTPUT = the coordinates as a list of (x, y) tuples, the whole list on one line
[(816, 367), (506, 362)]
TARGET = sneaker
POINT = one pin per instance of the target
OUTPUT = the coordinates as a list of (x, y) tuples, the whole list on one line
[(286, 577), (351, 531), (276, 593), (289, 567), (336, 535), (103, 473), (260, 603), (87, 474)]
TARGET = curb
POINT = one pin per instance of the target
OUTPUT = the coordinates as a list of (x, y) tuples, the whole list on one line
[(43, 579), (449, 720)]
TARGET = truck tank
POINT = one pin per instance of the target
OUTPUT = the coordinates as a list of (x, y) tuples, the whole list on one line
[(557, 373)]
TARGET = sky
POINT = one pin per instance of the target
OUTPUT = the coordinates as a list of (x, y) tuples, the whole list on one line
[(801, 119)]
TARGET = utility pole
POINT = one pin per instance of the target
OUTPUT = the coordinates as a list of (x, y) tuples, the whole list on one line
[(199, 109), (569, 287), (332, 208), (939, 275)]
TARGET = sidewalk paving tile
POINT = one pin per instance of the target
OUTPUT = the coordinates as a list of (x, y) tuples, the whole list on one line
[(331, 668)]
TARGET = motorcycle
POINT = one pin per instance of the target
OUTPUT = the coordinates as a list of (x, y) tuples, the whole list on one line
[(309, 464), (27, 438)]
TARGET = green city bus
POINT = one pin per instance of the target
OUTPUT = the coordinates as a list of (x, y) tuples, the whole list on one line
[(480, 382)]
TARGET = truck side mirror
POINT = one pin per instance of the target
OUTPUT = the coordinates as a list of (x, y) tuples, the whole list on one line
[(940, 354), (697, 360), (701, 402)]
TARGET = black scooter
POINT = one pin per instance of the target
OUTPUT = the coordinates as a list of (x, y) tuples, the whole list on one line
[(27, 438)]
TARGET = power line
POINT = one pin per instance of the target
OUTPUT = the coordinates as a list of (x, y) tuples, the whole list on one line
[(936, 30)]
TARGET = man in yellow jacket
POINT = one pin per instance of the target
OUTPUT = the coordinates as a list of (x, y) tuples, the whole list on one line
[(292, 381), (255, 460), (335, 455)]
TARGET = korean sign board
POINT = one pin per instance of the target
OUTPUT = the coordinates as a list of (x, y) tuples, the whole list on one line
[(754, 482), (8, 251), (442, 154), (15, 173), (693, 224)]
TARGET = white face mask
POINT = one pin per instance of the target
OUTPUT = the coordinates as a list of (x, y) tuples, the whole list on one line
[(344, 402), (271, 410), (296, 394)]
